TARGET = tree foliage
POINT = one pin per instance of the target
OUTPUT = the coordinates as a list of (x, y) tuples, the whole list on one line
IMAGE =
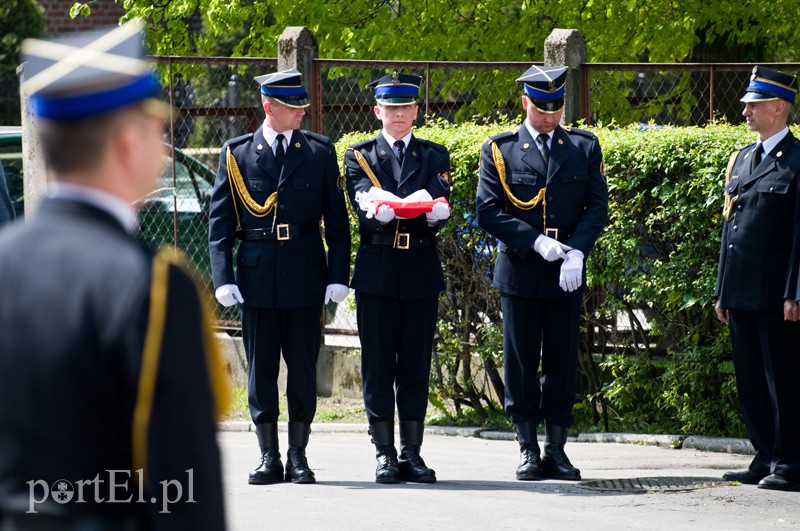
[(19, 19), (464, 30)]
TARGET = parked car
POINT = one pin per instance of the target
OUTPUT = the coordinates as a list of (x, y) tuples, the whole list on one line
[(11, 159), (177, 210)]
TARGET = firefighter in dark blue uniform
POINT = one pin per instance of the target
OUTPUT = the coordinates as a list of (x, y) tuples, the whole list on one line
[(543, 195), (272, 190), (110, 379), (757, 283), (397, 276)]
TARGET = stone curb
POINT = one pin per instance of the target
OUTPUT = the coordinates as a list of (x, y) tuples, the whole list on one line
[(667, 441), (719, 444), (692, 442)]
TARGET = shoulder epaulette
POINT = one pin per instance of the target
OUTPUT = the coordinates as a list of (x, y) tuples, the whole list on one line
[(431, 144), (316, 136), (239, 139), (581, 132), (747, 147), (501, 136), (364, 143)]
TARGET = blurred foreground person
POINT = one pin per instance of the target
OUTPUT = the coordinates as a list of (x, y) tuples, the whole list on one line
[(110, 380)]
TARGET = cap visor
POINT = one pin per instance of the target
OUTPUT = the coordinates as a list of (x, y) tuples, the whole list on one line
[(396, 101), (547, 107), (297, 104), (757, 96)]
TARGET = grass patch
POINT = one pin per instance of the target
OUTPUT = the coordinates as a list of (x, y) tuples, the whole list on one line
[(496, 419), (352, 411), (329, 409)]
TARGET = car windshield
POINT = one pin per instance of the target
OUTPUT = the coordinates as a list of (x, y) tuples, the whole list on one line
[(188, 187)]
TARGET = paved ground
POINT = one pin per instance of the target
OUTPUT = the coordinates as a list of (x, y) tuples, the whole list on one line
[(477, 490)]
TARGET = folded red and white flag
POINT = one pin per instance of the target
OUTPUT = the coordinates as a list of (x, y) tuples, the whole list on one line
[(416, 204)]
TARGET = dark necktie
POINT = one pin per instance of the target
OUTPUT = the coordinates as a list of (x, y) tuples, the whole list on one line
[(545, 151), (401, 148), (280, 153), (757, 152)]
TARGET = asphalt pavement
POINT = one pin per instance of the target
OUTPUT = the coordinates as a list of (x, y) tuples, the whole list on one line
[(625, 486)]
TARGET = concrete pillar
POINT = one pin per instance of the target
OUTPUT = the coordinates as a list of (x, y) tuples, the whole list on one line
[(297, 48), (567, 47), (35, 181)]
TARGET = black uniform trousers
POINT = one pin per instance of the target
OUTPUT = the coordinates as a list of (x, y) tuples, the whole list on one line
[(766, 356), (396, 347), (296, 332), (537, 330)]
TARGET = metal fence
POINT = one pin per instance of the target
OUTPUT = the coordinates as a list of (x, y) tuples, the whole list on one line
[(666, 93), (453, 91), (215, 99)]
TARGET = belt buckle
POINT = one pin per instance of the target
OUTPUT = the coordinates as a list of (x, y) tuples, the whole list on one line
[(283, 232), (402, 240), (551, 233)]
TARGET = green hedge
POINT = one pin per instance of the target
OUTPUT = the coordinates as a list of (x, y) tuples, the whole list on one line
[(654, 266)]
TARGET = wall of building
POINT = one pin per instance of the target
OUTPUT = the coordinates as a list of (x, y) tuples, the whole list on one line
[(105, 13)]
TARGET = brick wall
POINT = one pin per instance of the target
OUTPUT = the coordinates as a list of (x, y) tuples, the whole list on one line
[(105, 13)]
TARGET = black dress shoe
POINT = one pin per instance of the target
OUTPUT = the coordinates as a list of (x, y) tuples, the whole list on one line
[(746, 476), (269, 471), (776, 482), (297, 470), (555, 463), (530, 464), (413, 468), (387, 470)]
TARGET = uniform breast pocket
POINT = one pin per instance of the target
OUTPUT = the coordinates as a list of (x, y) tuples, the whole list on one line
[(306, 184), (525, 185), (524, 178), (773, 187), (574, 176), (258, 185)]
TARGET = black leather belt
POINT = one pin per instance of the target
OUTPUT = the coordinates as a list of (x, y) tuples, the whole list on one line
[(282, 232), (402, 240)]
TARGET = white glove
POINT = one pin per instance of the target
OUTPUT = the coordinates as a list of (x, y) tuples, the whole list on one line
[(549, 248), (571, 276), (438, 212), (385, 214), (336, 293), (228, 295)]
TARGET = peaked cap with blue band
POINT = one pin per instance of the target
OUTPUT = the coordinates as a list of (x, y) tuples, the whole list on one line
[(285, 86), (396, 89), (545, 87), (766, 84), (87, 74)]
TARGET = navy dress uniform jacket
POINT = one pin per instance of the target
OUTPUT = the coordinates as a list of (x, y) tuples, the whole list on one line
[(577, 205), (74, 313), (405, 274), (759, 259), (272, 273)]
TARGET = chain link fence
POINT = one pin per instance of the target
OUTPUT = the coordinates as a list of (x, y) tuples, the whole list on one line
[(452, 91), (667, 93), (215, 99)]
